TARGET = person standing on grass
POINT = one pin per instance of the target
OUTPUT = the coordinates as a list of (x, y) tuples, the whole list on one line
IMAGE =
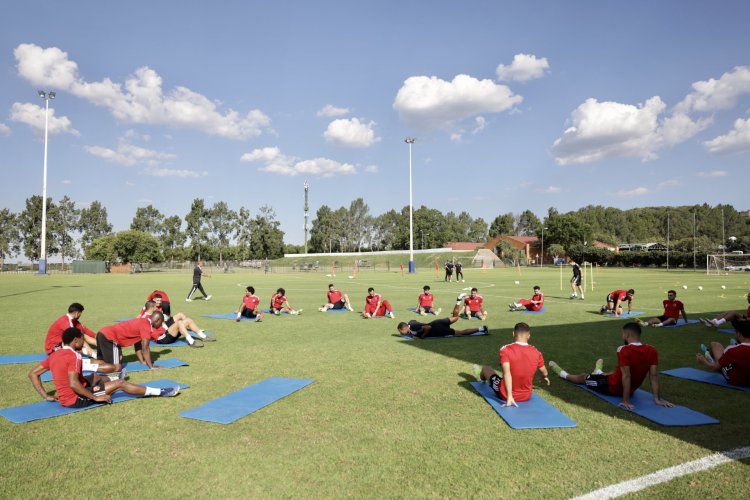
[(575, 281), (73, 390), (280, 304), (519, 361), (672, 310), (53, 341), (336, 300), (375, 305), (448, 271), (459, 272), (535, 303), (473, 305), (727, 317), (733, 361), (615, 300), (437, 328), (111, 339), (425, 302), (249, 308), (634, 361), (197, 274)]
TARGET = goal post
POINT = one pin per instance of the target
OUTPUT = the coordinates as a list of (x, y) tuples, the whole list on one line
[(724, 263)]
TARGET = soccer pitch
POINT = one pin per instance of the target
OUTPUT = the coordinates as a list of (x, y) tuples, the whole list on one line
[(385, 417)]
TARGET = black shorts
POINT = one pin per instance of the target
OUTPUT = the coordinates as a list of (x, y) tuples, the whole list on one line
[(665, 318), (440, 328), (426, 308), (475, 314), (169, 322), (82, 402), (166, 338), (598, 382), (107, 350), (248, 313), (339, 305), (166, 308), (495, 381), (576, 280)]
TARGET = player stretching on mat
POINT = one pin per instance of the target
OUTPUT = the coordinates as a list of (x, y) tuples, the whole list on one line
[(336, 300), (437, 328), (728, 316), (163, 304), (672, 310), (53, 341), (249, 307), (615, 300), (76, 391), (575, 281), (634, 361), (425, 302), (733, 362), (179, 328), (280, 304), (535, 303), (473, 307), (375, 305), (111, 339), (519, 361)]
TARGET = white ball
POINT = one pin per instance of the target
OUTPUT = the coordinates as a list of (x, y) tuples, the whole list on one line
[(723, 287), (517, 282), (700, 288), (684, 287)]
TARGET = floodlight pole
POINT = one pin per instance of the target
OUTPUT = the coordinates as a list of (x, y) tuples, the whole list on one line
[(541, 261), (307, 188), (43, 251), (412, 264)]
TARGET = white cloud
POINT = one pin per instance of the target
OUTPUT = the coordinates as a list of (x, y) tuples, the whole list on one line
[(669, 183), (351, 133), (132, 134), (276, 162), (479, 123), (170, 172), (67, 182), (129, 155), (639, 191), (523, 68), (372, 169), (457, 136), (33, 116), (429, 102), (712, 173), (329, 111), (129, 184), (713, 95), (734, 141), (551, 190), (4, 129), (140, 99)]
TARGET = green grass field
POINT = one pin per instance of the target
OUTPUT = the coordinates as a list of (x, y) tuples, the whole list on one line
[(384, 417)]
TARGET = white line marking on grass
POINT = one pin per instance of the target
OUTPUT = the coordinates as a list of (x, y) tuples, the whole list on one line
[(666, 475)]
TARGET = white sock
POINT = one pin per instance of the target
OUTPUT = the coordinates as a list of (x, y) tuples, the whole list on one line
[(239, 314), (718, 322), (661, 324), (518, 305), (563, 374), (200, 334), (189, 339), (596, 372), (152, 391)]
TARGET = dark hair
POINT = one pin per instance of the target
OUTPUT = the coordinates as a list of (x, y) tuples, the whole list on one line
[(156, 317), (474, 289), (149, 304), (537, 287), (281, 291), (70, 334), (426, 287), (250, 289), (632, 327), (371, 289), (742, 326), (401, 325), (157, 296), (671, 291), (521, 328), (75, 307), (631, 291)]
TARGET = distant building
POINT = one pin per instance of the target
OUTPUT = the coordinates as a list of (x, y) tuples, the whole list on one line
[(601, 244), (463, 245), (745, 213), (642, 247)]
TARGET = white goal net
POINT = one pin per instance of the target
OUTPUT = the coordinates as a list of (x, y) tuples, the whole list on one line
[(724, 263)]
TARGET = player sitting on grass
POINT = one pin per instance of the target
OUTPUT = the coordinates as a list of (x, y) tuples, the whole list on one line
[(249, 307), (336, 300), (672, 310), (375, 305), (733, 361), (437, 328), (280, 304), (727, 317), (179, 327), (425, 302), (615, 300), (519, 361), (634, 361), (53, 341), (473, 307), (76, 391), (535, 303)]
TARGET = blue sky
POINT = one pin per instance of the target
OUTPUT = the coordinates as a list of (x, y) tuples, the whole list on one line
[(514, 105)]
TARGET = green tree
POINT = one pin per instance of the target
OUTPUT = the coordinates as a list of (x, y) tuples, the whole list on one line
[(504, 224), (358, 227), (172, 238), (197, 229), (10, 238), (267, 240), (555, 250), (221, 224), (148, 220), (30, 228), (391, 230), (93, 223), (102, 248), (478, 230), (528, 223), (242, 233), (566, 230), (323, 237), (136, 247), (66, 221)]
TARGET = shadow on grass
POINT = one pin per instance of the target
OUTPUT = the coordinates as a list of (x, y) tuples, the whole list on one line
[(27, 292)]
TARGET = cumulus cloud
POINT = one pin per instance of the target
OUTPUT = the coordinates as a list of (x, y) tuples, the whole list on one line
[(479, 123), (171, 172), (712, 95), (275, 162), (551, 190), (4, 129), (129, 154), (639, 191), (330, 111), (430, 102), (140, 98), (734, 141), (523, 68), (33, 116), (372, 169), (351, 133), (712, 173)]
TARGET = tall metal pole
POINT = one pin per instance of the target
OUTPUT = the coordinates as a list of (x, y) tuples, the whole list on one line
[(695, 264), (43, 251), (307, 187), (723, 238), (667, 241), (412, 265), (541, 261)]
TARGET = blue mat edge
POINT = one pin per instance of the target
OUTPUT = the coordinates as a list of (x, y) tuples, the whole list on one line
[(495, 403)]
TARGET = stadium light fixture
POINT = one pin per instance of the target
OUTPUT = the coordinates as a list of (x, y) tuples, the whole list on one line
[(412, 265), (47, 96)]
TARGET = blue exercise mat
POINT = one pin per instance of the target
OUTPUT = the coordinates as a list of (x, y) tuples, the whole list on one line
[(727, 331), (469, 318), (677, 416), (625, 315), (344, 310), (477, 334), (50, 409), (414, 310), (540, 311), (681, 322), (133, 367), (232, 316), (14, 359), (536, 413), (268, 311), (696, 375), (181, 342), (238, 404)]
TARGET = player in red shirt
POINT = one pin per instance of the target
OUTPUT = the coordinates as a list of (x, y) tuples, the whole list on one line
[(672, 310), (733, 361), (439, 327), (425, 302), (535, 303), (634, 361), (728, 317), (519, 361), (280, 304), (615, 300), (336, 300), (169, 334), (162, 301), (72, 388), (53, 341), (473, 305), (375, 305), (249, 307), (111, 339)]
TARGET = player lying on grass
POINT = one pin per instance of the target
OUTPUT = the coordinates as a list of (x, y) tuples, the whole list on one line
[(733, 361), (634, 361), (53, 341), (336, 300), (575, 281), (163, 305), (727, 317), (473, 305), (375, 305), (535, 303), (672, 310), (169, 334), (437, 328), (519, 361), (425, 302), (73, 390), (615, 299), (280, 304), (249, 308)]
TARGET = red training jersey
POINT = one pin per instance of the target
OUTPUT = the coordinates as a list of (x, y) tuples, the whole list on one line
[(56, 329), (251, 301), (639, 357), (474, 303), (524, 361), (164, 296), (620, 295), (128, 332), (334, 296), (372, 300), (426, 299), (735, 363), (60, 363), (277, 301), (672, 308)]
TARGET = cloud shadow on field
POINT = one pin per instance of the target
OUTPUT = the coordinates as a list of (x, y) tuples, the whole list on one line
[(27, 292)]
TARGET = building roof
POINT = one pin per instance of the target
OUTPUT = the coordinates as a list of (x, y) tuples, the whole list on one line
[(463, 245)]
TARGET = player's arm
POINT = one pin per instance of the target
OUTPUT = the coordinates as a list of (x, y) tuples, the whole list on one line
[(508, 381), (630, 305), (425, 331), (544, 372), (626, 381), (653, 372), (37, 382), (618, 303), (146, 353), (79, 389), (684, 314)]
